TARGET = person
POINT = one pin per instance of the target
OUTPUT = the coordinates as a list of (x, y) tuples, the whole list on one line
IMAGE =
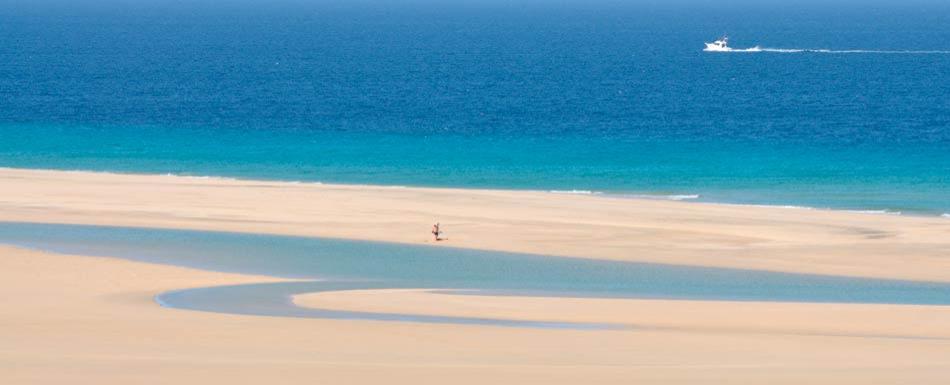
[(436, 232)]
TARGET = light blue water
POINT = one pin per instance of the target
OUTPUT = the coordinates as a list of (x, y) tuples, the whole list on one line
[(346, 265), (569, 95)]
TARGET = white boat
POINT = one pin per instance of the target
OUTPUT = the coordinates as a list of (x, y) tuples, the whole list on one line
[(721, 45)]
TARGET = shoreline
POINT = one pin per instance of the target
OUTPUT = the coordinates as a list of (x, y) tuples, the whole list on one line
[(695, 198), (569, 225)]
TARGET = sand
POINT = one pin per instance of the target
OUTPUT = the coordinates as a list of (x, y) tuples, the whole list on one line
[(768, 238), (86, 320), (90, 320), (814, 319)]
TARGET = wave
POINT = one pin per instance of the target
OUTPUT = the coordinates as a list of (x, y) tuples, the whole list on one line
[(945, 215), (223, 178), (775, 206), (683, 197), (197, 177), (834, 51), (794, 207), (876, 212), (673, 197), (168, 174), (575, 192)]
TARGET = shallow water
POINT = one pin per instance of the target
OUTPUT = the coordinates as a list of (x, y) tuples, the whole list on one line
[(344, 265)]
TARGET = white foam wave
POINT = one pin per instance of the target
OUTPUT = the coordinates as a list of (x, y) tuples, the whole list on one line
[(575, 192), (683, 197), (674, 197), (787, 207), (945, 215), (875, 212), (200, 177)]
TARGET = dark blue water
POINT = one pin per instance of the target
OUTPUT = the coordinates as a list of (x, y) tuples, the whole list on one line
[(602, 96)]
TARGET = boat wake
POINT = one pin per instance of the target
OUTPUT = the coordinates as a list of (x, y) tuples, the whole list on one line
[(727, 49), (722, 45), (833, 51), (869, 51)]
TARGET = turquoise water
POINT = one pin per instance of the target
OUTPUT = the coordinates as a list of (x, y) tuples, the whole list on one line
[(911, 179), (615, 97), (345, 265)]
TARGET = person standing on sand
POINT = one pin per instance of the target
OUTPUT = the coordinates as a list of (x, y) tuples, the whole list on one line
[(436, 232)]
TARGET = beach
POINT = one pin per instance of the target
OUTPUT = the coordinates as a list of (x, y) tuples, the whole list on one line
[(474, 192), (88, 319), (572, 225)]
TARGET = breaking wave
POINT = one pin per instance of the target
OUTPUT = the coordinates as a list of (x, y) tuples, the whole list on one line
[(575, 192), (876, 212), (674, 197)]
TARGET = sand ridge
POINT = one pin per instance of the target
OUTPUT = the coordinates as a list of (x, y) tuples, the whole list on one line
[(768, 238)]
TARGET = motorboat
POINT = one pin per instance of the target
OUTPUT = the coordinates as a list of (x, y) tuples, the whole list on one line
[(721, 45)]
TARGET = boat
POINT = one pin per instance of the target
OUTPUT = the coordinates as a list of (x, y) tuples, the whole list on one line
[(721, 45)]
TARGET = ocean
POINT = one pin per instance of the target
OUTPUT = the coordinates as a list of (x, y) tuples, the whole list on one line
[(847, 107)]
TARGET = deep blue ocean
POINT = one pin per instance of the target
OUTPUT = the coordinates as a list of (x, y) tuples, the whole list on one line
[(604, 96)]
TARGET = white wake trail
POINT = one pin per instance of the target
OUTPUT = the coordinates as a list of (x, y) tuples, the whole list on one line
[(856, 51), (832, 51)]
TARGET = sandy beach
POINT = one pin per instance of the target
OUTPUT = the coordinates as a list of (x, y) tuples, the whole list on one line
[(791, 319), (767, 238), (93, 320), (682, 192), (87, 320)]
